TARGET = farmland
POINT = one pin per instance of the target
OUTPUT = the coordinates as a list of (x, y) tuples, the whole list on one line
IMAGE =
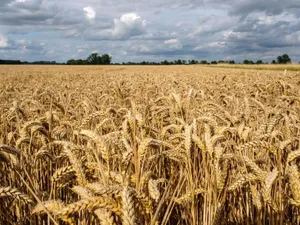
[(152, 145), (278, 67)]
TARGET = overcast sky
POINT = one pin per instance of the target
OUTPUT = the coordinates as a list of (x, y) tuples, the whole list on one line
[(137, 30)]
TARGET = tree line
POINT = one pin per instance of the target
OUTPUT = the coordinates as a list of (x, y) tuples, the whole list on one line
[(176, 62), (284, 59), (105, 59), (96, 59), (19, 62), (92, 59)]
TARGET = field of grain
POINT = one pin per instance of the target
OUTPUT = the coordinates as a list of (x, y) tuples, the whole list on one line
[(280, 67), (149, 145)]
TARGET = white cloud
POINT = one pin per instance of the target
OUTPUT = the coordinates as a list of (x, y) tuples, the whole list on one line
[(130, 24), (21, 1), (141, 48), (171, 41), (173, 44), (127, 26), (227, 33), (199, 47), (89, 13), (217, 45), (3, 41)]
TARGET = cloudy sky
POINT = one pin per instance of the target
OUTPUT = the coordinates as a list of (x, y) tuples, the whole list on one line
[(136, 30)]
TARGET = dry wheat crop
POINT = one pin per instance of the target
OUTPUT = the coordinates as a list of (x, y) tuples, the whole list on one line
[(149, 145)]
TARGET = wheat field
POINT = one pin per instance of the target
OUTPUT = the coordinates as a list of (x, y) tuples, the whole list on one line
[(282, 67), (149, 145)]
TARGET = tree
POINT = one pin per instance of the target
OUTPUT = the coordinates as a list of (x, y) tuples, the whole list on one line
[(96, 59), (273, 61), (259, 62), (214, 62), (193, 61), (80, 62), (246, 61), (106, 59), (286, 58), (76, 62), (71, 62), (283, 59), (178, 62), (2, 61), (93, 59), (279, 59), (166, 62)]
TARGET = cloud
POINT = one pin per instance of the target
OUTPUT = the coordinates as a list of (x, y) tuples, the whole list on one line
[(141, 49), (89, 13), (173, 44), (128, 25), (155, 30), (213, 24), (171, 41), (293, 38), (28, 47), (3, 41), (27, 12), (270, 7), (213, 46)]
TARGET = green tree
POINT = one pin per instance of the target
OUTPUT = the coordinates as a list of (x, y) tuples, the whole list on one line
[(279, 59), (71, 62), (178, 62), (106, 59), (93, 59), (286, 58), (259, 62), (283, 59), (166, 62)]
